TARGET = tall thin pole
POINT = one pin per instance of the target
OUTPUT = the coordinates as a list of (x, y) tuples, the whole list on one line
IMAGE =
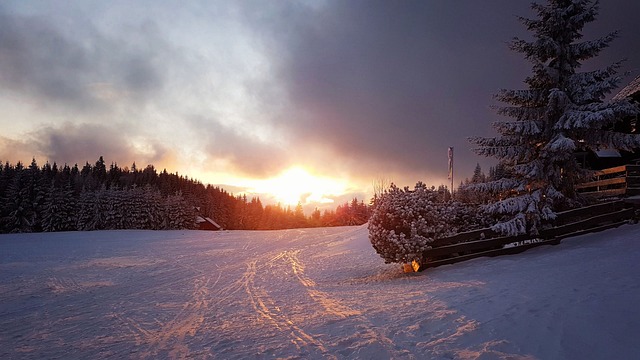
[(450, 153)]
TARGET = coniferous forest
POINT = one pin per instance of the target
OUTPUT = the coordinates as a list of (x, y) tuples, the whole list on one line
[(99, 197)]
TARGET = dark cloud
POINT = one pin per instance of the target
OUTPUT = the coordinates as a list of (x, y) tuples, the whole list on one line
[(48, 65), (37, 59), (392, 85)]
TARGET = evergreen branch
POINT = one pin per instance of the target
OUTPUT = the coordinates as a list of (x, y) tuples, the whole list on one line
[(523, 113), (528, 97), (524, 128), (588, 49), (496, 186), (593, 86)]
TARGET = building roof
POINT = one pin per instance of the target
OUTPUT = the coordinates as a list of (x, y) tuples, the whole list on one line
[(213, 222), (200, 220), (628, 90), (608, 153)]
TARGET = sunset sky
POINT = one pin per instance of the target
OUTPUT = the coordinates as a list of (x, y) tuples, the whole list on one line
[(289, 100)]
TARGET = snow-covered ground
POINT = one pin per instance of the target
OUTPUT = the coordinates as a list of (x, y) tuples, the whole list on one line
[(312, 293)]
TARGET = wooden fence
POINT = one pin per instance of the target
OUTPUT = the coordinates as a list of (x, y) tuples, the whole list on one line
[(618, 181), (485, 242)]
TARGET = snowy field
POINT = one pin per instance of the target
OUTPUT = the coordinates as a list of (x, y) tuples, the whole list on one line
[(312, 293)]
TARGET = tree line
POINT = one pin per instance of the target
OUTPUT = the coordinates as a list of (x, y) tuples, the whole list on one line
[(96, 197)]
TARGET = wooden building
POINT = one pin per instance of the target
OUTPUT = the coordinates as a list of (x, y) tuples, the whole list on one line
[(607, 158), (205, 223)]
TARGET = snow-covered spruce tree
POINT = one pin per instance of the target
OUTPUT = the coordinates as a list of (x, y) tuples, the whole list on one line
[(58, 210), (562, 111), (404, 221)]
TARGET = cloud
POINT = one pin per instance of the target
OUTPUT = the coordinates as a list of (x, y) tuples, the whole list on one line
[(42, 62), (244, 154), (352, 89), (384, 86), (13, 151), (78, 143), (130, 91), (388, 86)]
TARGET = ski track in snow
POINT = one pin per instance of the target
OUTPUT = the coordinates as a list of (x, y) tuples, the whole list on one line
[(311, 293)]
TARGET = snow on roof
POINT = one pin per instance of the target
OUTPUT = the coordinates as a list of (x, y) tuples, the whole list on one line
[(608, 153), (628, 90), (200, 220), (213, 222)]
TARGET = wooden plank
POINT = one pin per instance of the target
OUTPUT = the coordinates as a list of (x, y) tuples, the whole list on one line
[(587, 223), (496, 252), (573, 229), (516, 249), (562, 218), (605, 193), (588, 211), (608, 215), (605, 182), (612, 170), (593, 230), (464, 237), (472, 246)]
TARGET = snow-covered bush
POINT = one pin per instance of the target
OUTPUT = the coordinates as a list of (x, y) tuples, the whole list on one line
[(404, 222)]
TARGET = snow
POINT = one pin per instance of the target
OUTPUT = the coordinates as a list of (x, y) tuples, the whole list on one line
[(628, 90), (311, 293), (608, 153)]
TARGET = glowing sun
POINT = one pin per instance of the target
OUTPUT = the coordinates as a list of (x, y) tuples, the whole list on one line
[(298, 185)]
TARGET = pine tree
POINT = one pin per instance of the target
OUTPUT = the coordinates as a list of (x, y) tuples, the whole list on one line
[(86, 211), (69, 210), (255, 211), (152, 208), (33, 193), (14, 217), (299, 220), (179, 213), (58, 210), (314, 220), (478, 175), (561, 111)]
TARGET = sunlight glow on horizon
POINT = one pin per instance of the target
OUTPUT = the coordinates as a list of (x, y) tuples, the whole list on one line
[(297, 185)]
